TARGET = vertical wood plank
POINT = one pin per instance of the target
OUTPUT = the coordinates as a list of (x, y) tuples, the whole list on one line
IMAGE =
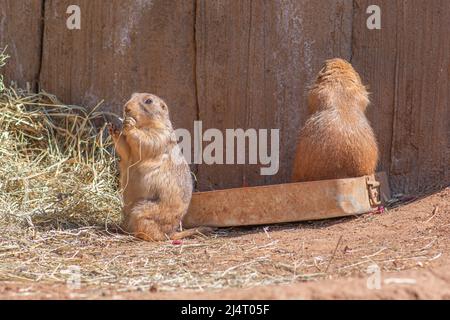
[(21, 30), (122, 47), (374, 57), (254, 62), (407, 66), (420, 157)]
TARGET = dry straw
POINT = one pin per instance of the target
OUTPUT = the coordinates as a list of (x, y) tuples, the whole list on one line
[(56, 167)]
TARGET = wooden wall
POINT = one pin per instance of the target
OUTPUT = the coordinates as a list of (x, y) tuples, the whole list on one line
[(407, 66), (21, 31), (247, 64)]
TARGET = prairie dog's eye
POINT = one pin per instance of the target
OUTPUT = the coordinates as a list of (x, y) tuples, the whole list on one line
[(148, 101)]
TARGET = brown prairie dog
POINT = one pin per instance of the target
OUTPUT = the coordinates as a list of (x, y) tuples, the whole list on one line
[(337, 140), (154, 176)]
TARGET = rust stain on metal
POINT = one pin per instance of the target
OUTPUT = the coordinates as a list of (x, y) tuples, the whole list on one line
[(287, 202)]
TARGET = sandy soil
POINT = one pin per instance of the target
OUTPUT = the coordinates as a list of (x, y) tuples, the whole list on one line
[(405, 250)]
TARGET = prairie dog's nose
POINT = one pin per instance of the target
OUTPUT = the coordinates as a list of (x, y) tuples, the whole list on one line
[(127, 108)]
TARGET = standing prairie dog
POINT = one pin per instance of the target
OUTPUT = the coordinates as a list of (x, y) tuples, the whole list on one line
[(337, 140), (154, 176)]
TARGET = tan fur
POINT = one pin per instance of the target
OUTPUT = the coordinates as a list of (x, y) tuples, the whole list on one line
[(154, 176), (337, 140)]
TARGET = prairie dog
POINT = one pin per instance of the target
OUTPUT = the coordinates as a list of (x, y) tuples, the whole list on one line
[(154, 176), (337, 140)]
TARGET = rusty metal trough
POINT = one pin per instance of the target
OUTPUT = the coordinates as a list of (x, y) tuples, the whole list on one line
[(287, 202)]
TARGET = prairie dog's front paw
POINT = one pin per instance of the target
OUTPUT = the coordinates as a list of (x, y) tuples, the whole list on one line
[(113, 130), (129, 123)]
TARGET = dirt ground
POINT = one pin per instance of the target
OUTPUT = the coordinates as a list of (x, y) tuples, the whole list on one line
[(401, 253)]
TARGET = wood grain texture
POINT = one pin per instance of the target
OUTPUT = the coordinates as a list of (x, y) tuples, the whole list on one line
[(407, 65), (420, 157), (121, 48), (20, 30), (254, 62), (247, 64)]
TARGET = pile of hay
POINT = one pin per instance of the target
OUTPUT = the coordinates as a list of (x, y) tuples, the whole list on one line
[(56, 167)]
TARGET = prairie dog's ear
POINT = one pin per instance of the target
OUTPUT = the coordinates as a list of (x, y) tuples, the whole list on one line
[(164, 105)]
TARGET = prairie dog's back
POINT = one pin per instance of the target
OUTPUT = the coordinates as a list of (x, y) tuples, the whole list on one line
[(336, 140)]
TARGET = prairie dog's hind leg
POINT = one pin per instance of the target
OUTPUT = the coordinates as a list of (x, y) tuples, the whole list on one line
[(150, 221)]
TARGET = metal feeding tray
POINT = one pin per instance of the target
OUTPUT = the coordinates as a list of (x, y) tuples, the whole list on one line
[(288, 202)]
